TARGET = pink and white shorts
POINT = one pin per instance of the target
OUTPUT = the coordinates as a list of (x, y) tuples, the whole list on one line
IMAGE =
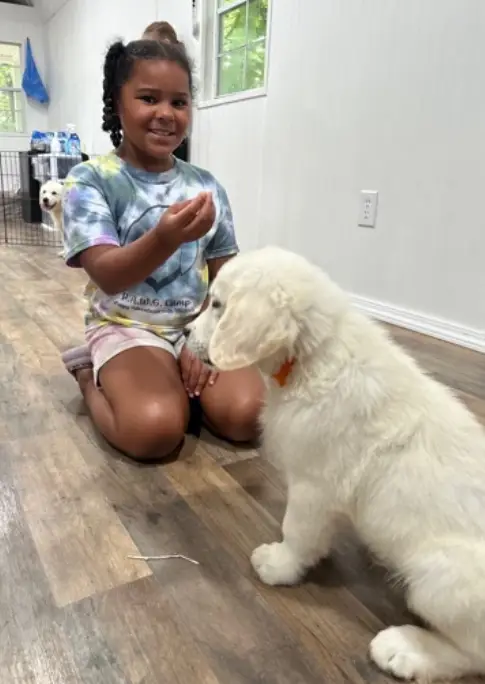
[(110, 340)]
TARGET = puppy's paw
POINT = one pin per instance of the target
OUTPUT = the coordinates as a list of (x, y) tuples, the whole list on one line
[(276, 564), (411, 653)]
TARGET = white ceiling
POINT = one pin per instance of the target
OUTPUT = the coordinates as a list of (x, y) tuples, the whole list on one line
[(49, 7), (25, 3)]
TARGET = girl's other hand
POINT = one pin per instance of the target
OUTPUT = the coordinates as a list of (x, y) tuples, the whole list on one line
[(196, 375)]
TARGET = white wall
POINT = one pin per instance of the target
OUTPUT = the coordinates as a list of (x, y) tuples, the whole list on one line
[(367, 94), (16, 24), (78, 35)]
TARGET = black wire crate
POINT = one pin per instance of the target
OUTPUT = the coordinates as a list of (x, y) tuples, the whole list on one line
[(22, 220)]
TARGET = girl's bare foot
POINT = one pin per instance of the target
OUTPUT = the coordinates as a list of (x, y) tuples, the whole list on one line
[(77, 360), (83, 377)]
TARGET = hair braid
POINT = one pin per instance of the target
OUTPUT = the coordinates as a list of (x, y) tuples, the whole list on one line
[(111, 121)]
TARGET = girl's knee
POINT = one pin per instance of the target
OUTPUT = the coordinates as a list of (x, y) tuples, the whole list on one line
[(153, 432), (240, 418), (244, 420), (233, 406)]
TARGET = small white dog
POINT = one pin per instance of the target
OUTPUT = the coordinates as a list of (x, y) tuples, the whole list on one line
[(50, 200), (360, 431)]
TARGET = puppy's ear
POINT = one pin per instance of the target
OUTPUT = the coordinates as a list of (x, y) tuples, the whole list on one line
[(251, 330)]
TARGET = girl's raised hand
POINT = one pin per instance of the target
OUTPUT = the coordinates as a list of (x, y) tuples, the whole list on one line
[(187, 221)]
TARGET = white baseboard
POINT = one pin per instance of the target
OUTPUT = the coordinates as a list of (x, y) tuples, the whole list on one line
[(471, 338)]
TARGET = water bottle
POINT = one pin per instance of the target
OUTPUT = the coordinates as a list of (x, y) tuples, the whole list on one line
[(73, 145), (62, 135), (56, 149)]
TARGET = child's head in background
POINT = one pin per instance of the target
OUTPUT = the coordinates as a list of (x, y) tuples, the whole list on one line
[(161, 31)]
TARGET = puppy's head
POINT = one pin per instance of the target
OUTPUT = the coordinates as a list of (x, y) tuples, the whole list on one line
[(265, 306), (50, 196)]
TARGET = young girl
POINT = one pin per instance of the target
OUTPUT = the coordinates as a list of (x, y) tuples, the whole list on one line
[(151, 232), (165, 32)]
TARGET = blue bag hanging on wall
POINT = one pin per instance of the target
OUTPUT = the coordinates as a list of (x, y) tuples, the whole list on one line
[(31, 80)]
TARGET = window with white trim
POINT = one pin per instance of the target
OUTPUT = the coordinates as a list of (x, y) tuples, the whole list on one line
[(11, 97), (237, 60)]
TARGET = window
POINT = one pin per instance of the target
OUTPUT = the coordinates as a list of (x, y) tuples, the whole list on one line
[(11, 98), (237, 61)]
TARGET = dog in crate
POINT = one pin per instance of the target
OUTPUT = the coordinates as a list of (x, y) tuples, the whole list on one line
[(50, 200)]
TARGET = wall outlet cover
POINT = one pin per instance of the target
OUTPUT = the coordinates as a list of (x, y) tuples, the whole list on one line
[(368, 208)]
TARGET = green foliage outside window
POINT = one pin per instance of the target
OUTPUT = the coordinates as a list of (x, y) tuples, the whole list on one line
[(242, 46), (10, 93)]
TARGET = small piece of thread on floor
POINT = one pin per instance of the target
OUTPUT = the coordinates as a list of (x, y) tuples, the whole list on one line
[(166, 557)]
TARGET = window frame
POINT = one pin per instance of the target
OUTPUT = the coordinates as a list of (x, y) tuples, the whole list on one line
[(19, 90), (209, 52)]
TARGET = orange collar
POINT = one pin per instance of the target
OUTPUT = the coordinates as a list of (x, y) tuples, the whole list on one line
[(281, 375)]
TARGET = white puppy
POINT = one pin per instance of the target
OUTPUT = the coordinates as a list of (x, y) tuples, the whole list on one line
[(50, 200), (360, 431)]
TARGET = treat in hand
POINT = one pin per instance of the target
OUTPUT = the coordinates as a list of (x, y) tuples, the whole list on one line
[(187, 221)]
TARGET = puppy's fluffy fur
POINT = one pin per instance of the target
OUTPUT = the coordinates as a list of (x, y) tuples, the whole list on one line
[(50, 200), (360, 431)]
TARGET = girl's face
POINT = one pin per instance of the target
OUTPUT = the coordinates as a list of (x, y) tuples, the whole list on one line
[(155, 109)]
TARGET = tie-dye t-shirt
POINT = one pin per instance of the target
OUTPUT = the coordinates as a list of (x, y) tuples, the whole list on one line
[(109, 202)]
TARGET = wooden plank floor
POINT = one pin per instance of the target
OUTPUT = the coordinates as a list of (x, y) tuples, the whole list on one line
[(73, 607)]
